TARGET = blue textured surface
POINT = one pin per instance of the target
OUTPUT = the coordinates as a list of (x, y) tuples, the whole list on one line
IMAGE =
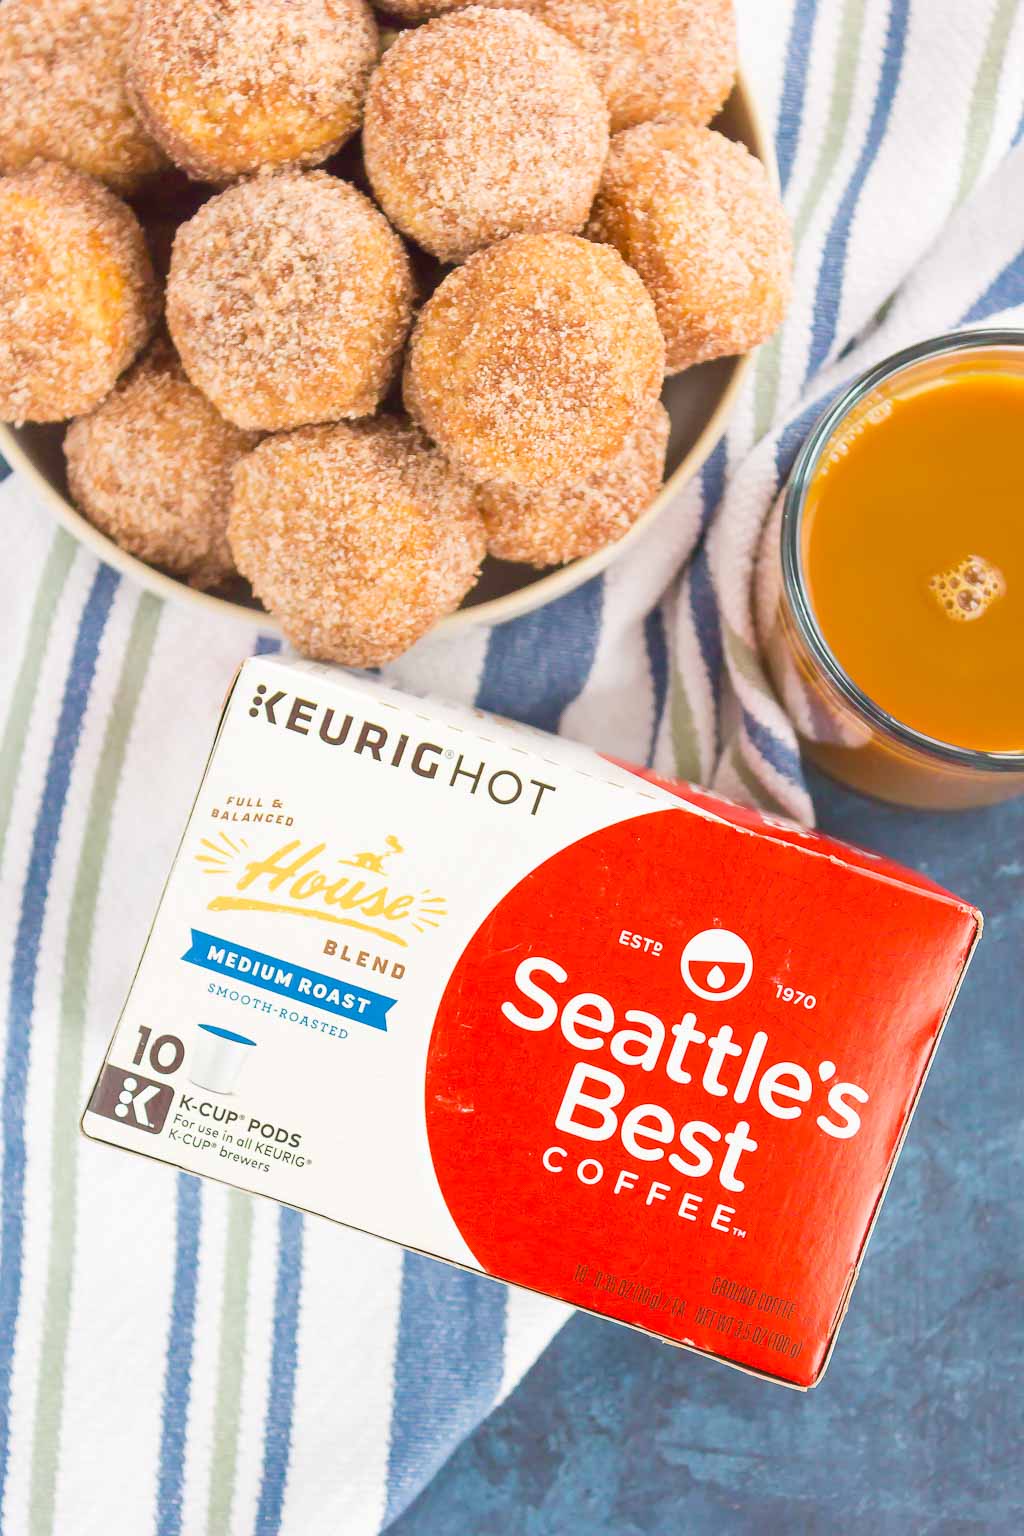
[(918, 1426)]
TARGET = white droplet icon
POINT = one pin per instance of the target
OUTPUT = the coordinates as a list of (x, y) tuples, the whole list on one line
[(716, 964)]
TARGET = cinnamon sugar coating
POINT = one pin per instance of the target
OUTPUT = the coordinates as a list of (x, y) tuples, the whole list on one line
[(425, 10), (234, 86), (151, 467), (63, 92), (481, 125), (698, 218), (78, 298), (535, 361), (653, 58), (357, 537), (289, 300), (550, 524)]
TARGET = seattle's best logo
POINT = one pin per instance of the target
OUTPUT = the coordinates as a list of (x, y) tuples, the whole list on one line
[(617, 1045), (301, 879), (716, 965)]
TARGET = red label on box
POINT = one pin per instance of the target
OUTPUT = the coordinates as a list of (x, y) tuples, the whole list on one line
[(671, 1071)]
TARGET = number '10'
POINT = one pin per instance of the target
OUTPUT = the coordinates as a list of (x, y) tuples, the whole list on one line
[(166, 1053)]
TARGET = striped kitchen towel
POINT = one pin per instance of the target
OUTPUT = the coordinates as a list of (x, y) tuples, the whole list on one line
[(176, 1357)]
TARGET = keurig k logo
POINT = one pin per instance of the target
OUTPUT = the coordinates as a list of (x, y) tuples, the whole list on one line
[(133, 1100)]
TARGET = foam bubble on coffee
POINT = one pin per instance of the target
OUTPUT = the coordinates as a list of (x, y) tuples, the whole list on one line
[(969, 589)]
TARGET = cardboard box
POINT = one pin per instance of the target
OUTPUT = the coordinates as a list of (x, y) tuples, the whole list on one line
[(479, 991)]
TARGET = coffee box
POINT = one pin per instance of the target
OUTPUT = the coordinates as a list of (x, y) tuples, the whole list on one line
[(479, 991)]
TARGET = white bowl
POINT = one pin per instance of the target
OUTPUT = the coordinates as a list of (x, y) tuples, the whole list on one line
[(699, 403)]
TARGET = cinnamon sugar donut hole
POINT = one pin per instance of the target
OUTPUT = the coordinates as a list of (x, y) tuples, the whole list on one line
[(534, 362), (63, 93), (698, 218), (481, 125), (653, 58), (78, 298), (289, 300), (427, 10), (551, 524), (151, 467), (358, 538), (234, 86)]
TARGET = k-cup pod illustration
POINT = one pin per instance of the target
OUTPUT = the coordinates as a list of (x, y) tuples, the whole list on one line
[(220, 1055)]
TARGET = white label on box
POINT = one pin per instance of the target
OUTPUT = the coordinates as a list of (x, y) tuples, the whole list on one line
[(344, 846)]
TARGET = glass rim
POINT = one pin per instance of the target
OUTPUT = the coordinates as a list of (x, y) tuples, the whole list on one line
[(794, 580)]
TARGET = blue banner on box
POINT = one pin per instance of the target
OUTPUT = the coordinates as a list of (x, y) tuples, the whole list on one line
[(305, 987)]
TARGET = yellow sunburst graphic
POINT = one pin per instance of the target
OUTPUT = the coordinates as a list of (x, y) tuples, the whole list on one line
[(429, 911), (221, 854)]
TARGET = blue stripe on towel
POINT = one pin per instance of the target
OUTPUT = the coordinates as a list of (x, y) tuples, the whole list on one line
[(791, 440), (537, 665), (794, 87), (703, 599), (1004, 292), (833, 263), (178, 1369), (448, 1369), (706, 620), (284, 1359), (773, 749), (27, 941), (792, 437), (656, 645), (712, 483)]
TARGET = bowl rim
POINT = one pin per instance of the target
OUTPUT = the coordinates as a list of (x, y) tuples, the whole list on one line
[(497, 610)]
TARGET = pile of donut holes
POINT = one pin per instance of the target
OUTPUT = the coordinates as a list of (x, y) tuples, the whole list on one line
[(342, 301)]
